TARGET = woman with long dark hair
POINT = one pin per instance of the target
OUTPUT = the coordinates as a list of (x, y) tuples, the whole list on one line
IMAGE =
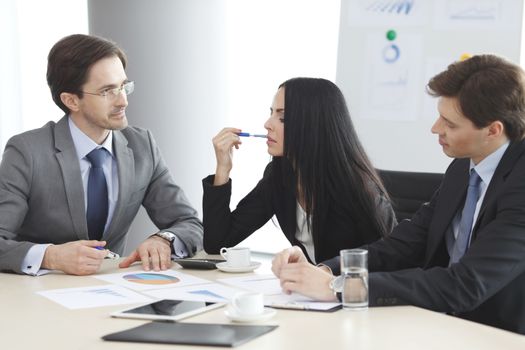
[(320, 184)]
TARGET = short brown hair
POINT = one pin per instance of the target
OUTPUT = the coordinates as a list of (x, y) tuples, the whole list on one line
[(70, 59), (488, 88)]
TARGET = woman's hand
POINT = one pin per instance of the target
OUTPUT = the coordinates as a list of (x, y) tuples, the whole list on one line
[(223, 144)]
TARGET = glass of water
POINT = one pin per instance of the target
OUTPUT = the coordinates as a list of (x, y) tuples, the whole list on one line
[(354, 268)]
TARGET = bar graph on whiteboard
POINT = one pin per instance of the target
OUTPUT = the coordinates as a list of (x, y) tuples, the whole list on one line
[(401, 7)]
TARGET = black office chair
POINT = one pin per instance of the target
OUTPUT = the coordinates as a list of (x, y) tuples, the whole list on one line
[(408, 190)]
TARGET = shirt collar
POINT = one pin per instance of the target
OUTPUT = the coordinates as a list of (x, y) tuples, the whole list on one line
[(84, 145), (487, 166)]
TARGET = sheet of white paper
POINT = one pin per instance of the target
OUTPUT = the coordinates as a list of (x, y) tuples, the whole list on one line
[(459, 15), (211, 292), (144, 280), (95, 296), (266, 284), (392, 77), (297, 301)]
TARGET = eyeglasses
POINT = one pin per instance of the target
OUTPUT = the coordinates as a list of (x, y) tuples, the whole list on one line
[(113, 93)]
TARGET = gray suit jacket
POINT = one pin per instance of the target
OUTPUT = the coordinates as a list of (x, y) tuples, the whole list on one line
[(42, 197)]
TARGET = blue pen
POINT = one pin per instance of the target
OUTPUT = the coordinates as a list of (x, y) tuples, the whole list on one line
[(110, 254), (247, 134)]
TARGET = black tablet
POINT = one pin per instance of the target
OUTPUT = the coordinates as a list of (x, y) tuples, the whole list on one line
[(167, 310), (199, 264)]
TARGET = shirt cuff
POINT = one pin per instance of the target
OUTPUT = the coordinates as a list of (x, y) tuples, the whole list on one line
[(179, 248), (33, 260)]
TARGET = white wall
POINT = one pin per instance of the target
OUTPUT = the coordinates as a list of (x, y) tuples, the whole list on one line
[(177, 60), (10, 90), (28, 29)]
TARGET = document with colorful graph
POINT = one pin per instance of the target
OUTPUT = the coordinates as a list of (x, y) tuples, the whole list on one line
[(93, 296), (144, 280), (210, 292)]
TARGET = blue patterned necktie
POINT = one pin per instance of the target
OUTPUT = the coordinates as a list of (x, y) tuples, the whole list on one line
[(97, 194), (467, 216)]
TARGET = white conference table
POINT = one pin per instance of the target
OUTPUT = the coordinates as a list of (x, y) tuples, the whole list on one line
[(31, 321)]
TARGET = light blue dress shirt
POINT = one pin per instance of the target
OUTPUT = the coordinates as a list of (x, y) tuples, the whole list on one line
[(485, 170)]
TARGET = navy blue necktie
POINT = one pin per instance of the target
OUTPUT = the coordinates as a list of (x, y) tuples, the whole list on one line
[(97, 195), (467, 216)]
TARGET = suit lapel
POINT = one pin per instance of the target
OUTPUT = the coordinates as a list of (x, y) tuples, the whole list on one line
[(126, 179), (498, 179), (69, 166), (455, 182)]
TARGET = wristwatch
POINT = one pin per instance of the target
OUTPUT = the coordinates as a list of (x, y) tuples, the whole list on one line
[(336, 284), (168, 236)]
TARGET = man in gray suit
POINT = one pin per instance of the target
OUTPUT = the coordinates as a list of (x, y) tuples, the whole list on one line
[(70, 190)]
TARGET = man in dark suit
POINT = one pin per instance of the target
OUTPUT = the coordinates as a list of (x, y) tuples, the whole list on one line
[(462, 253), (72, 188)]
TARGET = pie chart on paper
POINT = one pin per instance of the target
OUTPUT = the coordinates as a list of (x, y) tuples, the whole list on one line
[(151, 278)]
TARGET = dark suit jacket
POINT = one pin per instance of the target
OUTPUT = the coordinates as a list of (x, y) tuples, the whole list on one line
[(223, 228), (42, 196), (488, 284)]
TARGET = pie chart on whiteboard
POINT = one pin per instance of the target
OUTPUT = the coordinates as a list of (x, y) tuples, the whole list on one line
[(151, 278)]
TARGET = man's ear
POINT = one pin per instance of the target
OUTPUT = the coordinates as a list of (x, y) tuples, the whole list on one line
[(495, 129), (70, 100)]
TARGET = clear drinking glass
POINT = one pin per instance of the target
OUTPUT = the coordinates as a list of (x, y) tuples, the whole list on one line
[(354, 268)]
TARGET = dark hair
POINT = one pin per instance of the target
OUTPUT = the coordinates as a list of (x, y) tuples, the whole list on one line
[(488, 88), (70, 59), (323, 154)]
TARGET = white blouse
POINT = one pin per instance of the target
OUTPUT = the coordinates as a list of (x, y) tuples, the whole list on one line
[(303, 234)]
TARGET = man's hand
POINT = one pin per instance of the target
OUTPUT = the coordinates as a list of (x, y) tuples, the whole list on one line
[(154, 252), (308, 280), (287, 256), (75, 258)]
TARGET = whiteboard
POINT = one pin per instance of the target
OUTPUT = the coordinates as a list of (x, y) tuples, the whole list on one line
[(389, 49)]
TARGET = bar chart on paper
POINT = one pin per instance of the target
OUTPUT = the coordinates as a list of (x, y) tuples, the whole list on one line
[(94, 296)]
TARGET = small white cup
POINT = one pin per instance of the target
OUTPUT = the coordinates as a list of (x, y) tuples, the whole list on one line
[(237, 256), (248, 303)]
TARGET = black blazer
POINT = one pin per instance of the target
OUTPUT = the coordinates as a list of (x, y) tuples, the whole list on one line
[(488, 284), (223, 228)]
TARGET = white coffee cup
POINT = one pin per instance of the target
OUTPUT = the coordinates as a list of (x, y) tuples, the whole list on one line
[(237, 256), (248, 303)]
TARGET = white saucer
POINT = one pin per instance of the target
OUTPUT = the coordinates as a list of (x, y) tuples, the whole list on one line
[(267, 314), (223, 266)]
